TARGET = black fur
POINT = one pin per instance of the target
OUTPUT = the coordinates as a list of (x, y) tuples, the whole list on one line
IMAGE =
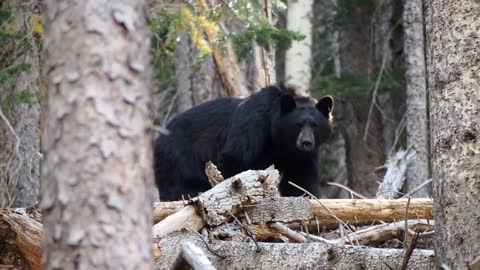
[(240, 134)]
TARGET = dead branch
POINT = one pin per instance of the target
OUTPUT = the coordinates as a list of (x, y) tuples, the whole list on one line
[(351, 211), (213, 174), (20, 238), (408, 252), (382, 233), (192, 257), (372, 210), (347, 189), (187, 216), (395, 176), (289, 233)]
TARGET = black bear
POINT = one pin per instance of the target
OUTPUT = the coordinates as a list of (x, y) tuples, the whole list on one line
[(276, 125)]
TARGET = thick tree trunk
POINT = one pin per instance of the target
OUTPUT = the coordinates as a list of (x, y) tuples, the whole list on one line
[(97, 169), (195, 85), (298, 57), (20, 126), (453, 81), (417, 109)]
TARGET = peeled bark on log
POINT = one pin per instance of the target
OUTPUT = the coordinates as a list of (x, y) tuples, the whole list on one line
[(373, 209), (20, 241), (239, 255), (192, 257), (352, 211), (187, 218), (215, 206)]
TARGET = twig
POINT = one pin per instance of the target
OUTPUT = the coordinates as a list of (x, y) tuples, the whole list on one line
[(409, 251), (418, 188), (377, 82), (330, 213), (205, 242), (406, 221), (317, 238), (247, 231), (289, 233), (398, 132), (347, 189)]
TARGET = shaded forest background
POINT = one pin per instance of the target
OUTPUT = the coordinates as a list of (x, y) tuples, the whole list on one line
[(357, 49), (357, 57)]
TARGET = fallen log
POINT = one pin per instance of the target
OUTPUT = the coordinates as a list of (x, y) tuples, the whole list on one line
[(20, 241), (241, 255), (350, 211), (217, 205)]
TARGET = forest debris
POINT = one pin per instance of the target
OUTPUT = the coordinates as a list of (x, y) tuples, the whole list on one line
[(300, 256), (384, 232), (232, 194), (215, 205), (395, 176), (285, 209), (161, 210), (351, 211), (187, 216), (192, 257), (408, 252), (475, 265), (213, 174), (289, 233), (21, 240)]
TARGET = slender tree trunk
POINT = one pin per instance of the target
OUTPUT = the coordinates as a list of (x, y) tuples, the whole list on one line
[(453, 79), (417, 109), (20, 125), (298, 57), (97, 168)]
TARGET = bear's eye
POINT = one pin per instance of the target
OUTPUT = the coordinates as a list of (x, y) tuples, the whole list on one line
[(313, 124)]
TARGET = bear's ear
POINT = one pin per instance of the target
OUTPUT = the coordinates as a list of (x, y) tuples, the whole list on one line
[(287, 104), (325, 105)]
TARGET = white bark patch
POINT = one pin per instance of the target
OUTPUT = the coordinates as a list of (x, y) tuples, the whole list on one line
[(395, 175)]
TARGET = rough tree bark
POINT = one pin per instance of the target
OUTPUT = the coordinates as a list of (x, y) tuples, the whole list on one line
[(453, 79), (97, 167), (417, 109), (195, 85), (298, 57), (241, 255), (20, 127)]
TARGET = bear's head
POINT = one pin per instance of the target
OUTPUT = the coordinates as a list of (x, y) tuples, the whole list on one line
[(303, 123)]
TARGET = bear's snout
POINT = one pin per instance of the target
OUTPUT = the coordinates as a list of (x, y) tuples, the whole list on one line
[(306, 140)]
